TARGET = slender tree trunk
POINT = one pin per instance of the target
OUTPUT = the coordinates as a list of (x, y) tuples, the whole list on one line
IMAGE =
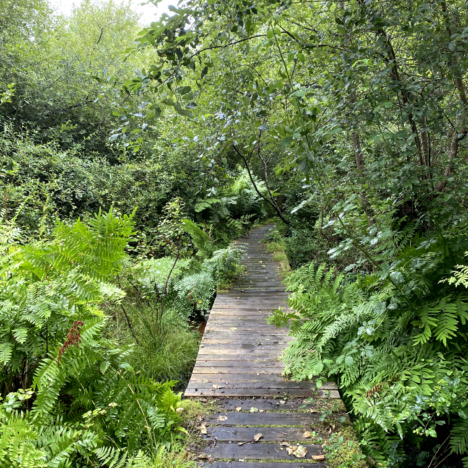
[(129, 323), (275, 207), (454, 139), (390, 58), (358, 155), (360, 167)]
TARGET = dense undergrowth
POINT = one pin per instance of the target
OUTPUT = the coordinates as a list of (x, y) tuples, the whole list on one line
[(130, 159)]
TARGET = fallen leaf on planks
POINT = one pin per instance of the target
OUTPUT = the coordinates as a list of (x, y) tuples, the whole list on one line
[(300, 452), (318, 457), (238, 408), (307, 435), (202, 428), (222, 418), (258, 436)]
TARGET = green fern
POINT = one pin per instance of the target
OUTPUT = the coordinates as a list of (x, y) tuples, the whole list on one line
[(459, 437), (200, 239)]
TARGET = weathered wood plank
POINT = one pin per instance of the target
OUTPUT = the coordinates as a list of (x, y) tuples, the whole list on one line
[(233, 377), (239, 340), (263, 419), (233, 464), (258, 452), (270, 434), (284, 393), (278, 384), (268, 404), (228, 370)]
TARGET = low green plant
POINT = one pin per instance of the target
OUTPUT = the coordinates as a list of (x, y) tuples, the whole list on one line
[(114, 458)]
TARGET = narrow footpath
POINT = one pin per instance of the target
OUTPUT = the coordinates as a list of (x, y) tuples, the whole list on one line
[(265, 421)]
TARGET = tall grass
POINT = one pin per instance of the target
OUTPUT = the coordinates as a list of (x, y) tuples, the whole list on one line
[(166, 349)]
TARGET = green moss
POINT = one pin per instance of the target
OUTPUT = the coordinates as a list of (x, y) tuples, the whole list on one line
[(343, 450)]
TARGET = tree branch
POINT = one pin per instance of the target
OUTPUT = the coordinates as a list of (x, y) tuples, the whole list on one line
[(278, 211)]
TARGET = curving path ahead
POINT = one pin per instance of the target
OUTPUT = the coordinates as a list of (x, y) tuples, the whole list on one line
[(238, 364)]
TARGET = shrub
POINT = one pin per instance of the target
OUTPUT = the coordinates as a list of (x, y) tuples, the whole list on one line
[(68, 390), (395, 341)]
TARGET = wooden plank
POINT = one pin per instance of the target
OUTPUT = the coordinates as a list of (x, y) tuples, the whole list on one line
[(252, 307), (247, 356), (246, 300), (268, 404), (233, 322), (261, 392), (270, 434), (239, 340), (257, 294), (233, 377), (241, 362), (215, 333), (234, 464), (258, 452), (260, 319), (263, 419), (229, 370), (278, 384), (239, 349)]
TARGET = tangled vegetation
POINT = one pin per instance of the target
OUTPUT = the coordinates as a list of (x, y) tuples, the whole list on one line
[(132, 156)]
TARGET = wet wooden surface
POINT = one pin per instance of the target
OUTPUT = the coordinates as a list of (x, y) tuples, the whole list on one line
[(239, 364)]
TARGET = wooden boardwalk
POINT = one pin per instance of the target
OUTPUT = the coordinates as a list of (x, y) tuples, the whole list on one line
[(238, 364)]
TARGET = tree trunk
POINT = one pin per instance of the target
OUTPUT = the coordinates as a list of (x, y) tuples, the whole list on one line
[(360, 167)]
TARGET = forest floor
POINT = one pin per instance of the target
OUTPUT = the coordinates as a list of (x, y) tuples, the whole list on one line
[(262, 420)]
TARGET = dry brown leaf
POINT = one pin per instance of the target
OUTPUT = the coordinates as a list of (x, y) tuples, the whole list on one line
[(258, 436), (222, 418), (290, 450), (203, 456), (241, 443), (282, 402), (300, 452), (262, 411), (318, 457), (238, 408), (202, 428), (307, 435), (284, 444)]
